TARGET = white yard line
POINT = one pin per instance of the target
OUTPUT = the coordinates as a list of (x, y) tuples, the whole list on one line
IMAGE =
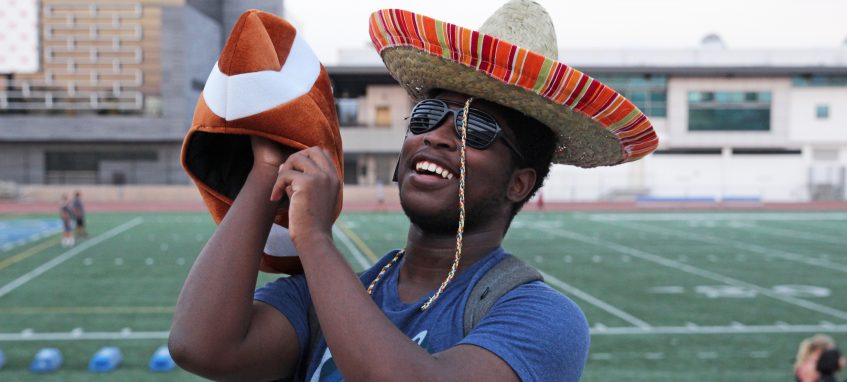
[(573, 291), (696, 271), (67, 255), (765, 216), (732, 329), (797, 234), (826, 264), (77, 335), (606, 331), (360, 258)]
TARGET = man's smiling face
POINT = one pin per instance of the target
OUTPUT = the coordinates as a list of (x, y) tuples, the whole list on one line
[(429, 172)]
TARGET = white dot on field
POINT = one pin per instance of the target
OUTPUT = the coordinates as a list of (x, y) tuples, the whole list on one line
[(119, 261), (87, 261), (163, 247), (568, 259), (654, 355), (198, 237), (180, 261), (539, 259), (596, 259), (149, 261)]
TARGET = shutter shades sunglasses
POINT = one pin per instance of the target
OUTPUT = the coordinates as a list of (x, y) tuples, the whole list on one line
[(482, 128)]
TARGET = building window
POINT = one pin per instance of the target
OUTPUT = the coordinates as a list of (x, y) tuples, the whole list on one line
[(729, 111), (818, 80), (822, 111), (383, 116), (98, 167), (348, 111), (647, 91), (351, 169)]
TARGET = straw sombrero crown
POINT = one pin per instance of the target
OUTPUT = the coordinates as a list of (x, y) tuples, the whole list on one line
[(268, 83), (513, 61)]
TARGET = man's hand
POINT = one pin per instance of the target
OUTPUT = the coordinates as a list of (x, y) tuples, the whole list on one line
[(310, 180), (267, 153)]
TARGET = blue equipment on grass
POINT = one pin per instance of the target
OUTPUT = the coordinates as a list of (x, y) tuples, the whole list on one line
[(161, 360), (106, 359), (46, 360)]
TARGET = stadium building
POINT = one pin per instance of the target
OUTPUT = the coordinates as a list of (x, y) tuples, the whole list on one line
[(102, 92), (107, 91)]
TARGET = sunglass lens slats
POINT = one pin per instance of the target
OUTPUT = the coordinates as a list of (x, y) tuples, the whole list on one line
[(426, 114)]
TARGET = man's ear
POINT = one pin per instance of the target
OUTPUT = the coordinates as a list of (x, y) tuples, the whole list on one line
[(523, 179)]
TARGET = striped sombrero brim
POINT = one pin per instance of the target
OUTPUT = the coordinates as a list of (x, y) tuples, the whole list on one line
[(595, 125)]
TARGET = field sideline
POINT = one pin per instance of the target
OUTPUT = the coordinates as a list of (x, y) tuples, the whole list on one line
[(696, 295)]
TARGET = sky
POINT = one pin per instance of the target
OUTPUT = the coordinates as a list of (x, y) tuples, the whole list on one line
[(330, 25)]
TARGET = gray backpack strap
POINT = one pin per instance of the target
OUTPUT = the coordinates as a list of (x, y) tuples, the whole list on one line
[(315, 336), (506, 275), (311, 346)]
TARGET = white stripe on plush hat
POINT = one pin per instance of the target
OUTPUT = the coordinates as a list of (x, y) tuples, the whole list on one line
[(246, 94), (279, 242)]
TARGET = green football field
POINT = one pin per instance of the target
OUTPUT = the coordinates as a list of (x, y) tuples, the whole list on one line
[(711, 296)]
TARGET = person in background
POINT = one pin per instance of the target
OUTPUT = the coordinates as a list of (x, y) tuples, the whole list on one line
[(79, 213), (830, 363), (808, 353), (67, 215)]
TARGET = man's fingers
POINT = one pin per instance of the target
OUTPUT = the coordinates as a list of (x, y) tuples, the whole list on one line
[(284, 183), (309, 165), (302, 162), (321, 158)]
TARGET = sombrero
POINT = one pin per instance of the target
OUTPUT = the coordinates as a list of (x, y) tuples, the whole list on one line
[(513, 61), (268, 83)]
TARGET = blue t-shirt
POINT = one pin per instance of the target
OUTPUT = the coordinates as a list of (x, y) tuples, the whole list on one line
[(539, 332)]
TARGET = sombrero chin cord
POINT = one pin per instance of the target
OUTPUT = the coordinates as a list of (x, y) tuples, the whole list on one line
[(459, 232)]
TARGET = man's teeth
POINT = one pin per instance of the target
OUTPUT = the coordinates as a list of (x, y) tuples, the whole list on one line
[(433, 168)]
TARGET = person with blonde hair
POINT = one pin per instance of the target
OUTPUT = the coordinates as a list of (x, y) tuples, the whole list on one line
[(808, 353)]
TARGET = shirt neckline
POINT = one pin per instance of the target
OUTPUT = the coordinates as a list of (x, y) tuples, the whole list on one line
[(391, 297)]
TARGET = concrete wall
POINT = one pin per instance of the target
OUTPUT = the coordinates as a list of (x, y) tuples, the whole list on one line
[(711, 176), (234, 8), (806, 128), (24, 163), (168, 194), (203, 44)]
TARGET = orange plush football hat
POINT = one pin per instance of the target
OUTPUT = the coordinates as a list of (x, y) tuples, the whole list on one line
[(267, 83)]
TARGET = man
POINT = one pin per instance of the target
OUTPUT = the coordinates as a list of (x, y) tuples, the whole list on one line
[(79, 213), (492, 155), (67, 216)]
